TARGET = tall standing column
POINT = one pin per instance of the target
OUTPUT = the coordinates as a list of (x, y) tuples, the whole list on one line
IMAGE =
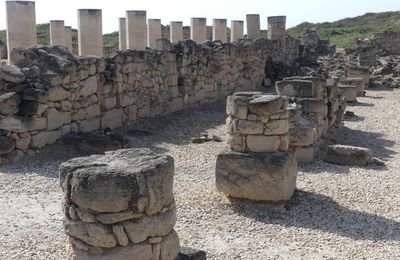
[(219, 30), (90, 32), (277, 28), (57, 32), (153, 32), (175, 32), (136, 30), (68, 37), (236, 30), (21, 25), (253, 26), (122, 34), (198, 29)]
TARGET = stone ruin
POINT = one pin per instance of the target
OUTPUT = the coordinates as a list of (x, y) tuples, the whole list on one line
[(120, 205)]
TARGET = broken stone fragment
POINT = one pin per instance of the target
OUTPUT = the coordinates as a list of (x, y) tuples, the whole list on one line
[(12, 74), (348, 155), (9, 103)]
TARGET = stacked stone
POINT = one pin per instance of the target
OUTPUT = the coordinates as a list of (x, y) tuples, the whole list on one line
[(120, 206), (359, 72), (50, 93), (367, 58), (357, 83), (319, 105), (259, 165)]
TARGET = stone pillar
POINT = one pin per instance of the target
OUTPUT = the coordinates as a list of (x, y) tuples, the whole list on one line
[(57, 32), (122, 34), (236, 30), (359, 72), (136, 30), (153, 32), (120, 206), (277, 28), (198, 30), (259, 165), (90, 32), (68, 37), (175, 32), (219, 31), (253, 26), (21, 25)]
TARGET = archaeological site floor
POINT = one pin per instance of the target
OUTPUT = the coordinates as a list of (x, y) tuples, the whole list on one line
[(337, 211)]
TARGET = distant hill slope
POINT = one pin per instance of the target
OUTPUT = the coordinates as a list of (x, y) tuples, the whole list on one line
[(345, 32)]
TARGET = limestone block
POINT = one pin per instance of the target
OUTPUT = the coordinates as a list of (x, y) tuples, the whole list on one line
[(305, 154), (350, 92), (284, 143), (295, 88), (126, 99), (6, 145), (56, 119), (150, 226), (42, 139), (88, 87), (93, 234), (262, 143), (113, 119), (247, 127), (23, 142), (313, 105), (302, 136), (79, 115), (29, 108), (22, 124), (9, 103), (266, 105), (276, 127), (169, 246), (348, 155), (58, 93), (92, 111), (120, 234), (36, 95), (267, 177), (132, 113), (12, 74), (237, 106), (118, 217), (108, 103), (97, 183), (89, 125)]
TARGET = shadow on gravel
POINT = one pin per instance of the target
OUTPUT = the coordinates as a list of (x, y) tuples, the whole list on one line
[(379, 88), (354, 118), (359, 104), (319, 212), (380, 146)]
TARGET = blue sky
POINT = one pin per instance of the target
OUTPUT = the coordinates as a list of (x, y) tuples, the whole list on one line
[(297, 11)]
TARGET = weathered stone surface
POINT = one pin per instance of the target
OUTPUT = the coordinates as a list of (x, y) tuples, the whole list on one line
[(262, 143), (139, 251), (23, 142), (348, 155), (12, 74), (250, 127), (113, 119), (89, 87), (295, 88), (118, 217), (6, 145), (266, 105), (237, 106), (305, 154), (36, 95), (313, 105), (93, 234), (150, 226), (30, 108), (56, 118), (89, 125), (349, 92), (259, 177), (302, 136), (9, 103), (58, 93), (42, 139), (277, 127), (117, 180), (169, 246), (22, 124), (120, 234)]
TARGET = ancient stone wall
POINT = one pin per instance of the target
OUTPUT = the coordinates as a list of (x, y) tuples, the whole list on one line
[(386, 42), (50, 93)]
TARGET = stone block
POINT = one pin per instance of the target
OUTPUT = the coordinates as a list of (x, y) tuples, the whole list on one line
[(29, 108), (126, 99), (187, 253), (58, 93), (302, 136), (276, 127), (108, 103), (269, 177), (237, 106), (262, 143), (132, 113), (348, 155), (36, 95), (42, 139), (92, 111), (12, 74), (266, 105), (97, 183), (305, 154), (6, 145), (349, 92), (247, 127), (88, 87), (113, 119), (56, 119), (89, 125), (313, 105), (22, 124), (9, 103), (295, 88)]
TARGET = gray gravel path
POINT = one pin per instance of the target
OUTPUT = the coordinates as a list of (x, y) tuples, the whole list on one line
[(339, 212)]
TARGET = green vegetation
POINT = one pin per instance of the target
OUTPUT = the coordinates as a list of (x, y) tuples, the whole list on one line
[(344, 33)]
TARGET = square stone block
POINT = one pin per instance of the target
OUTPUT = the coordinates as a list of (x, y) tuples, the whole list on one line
[(269, 177)]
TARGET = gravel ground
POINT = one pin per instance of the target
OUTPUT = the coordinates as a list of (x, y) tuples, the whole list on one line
[(338, 212)]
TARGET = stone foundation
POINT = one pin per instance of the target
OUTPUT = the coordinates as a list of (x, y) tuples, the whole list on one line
[(259, 166), (120, 206)]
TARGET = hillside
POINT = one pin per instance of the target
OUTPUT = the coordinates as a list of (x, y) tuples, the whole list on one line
[(345, 32)]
